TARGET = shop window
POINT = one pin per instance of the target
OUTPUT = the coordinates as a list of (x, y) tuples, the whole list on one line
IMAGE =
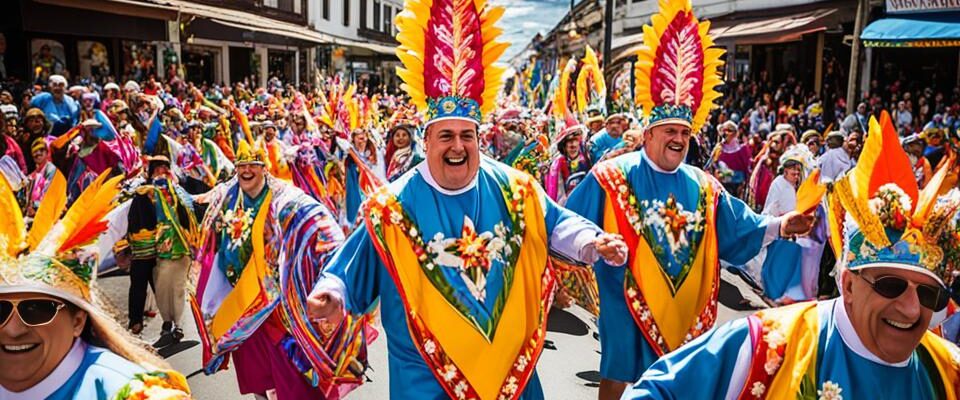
[(346, 12), (94, 60), (48, 58), (376, 15), (138, 60), (388, 19), (363, 14)]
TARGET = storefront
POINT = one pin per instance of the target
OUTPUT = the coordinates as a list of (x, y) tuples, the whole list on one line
[(43, 39), (916, 41)]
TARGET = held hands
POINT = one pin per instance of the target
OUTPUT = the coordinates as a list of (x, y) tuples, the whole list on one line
[(794, 224), (325, 310), (612, 248)]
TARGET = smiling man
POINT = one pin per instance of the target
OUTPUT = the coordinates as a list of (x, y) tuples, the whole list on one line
[(677, 220), (261, 242), (898, 257), (456, 249)]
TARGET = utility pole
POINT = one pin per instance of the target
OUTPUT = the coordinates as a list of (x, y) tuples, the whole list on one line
[(863, 8)]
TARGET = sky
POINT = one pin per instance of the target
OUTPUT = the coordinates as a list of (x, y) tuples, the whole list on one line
[(524, 18)]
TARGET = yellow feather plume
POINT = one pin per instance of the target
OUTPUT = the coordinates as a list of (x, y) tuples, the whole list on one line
[(91, 207), (413, 26), (590, 72), (561, 98), (12, 233), (647, 60), (51, 207)]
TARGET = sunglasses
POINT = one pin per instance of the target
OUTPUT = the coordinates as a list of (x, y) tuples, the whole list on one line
[(891, 287), (33, 312)]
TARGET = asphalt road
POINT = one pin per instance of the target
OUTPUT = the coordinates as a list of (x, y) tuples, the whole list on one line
[(567, 371)]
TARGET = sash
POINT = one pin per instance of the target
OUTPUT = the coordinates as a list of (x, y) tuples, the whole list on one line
[(667, 315), (467, 360), (785, 342)]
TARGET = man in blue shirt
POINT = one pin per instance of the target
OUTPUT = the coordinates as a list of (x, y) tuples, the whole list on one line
[(62, 111)]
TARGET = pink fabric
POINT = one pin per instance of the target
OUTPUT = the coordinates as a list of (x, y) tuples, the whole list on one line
[(738, 160), (101, 158), (443, 56), (261, 366), (14, 151)]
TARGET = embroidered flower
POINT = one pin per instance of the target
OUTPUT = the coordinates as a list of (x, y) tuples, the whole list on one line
[(522, 362), (430, 347), (238, 224), (460, 390), (774, 338), (773, 362), (395, 217), (511, 387), (758, 389), (830, 391), (449, 372)]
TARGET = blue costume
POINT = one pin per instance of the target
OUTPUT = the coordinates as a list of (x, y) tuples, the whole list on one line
[(738, 234), (358, 270), (718, 365), (63, 114), (600, 143)]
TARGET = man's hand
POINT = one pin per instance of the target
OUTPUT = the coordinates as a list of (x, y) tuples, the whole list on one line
[(795, 224), (325, 310), (612, 248)]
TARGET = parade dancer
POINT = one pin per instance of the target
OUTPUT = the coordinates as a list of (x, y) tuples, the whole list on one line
[(262, 244), (898, 258), (677, 220), (456, 250), (57, 340)]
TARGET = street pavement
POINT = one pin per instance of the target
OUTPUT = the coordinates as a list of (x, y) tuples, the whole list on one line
[(568, 369)]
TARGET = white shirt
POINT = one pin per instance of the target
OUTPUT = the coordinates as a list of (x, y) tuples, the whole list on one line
[(781, 199)]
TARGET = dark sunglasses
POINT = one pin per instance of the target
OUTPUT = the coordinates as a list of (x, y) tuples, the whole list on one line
[(33, 312), (891, 287)]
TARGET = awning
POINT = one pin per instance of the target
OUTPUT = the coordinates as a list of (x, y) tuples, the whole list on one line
[(776, 29), (172, 9), (941, 29)]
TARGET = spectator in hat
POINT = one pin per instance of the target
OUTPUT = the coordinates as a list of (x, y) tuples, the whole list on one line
[(40, 178), (935, 149), (914, 146), (607, 138), (62, 111), (35, 126), (813, 140), (840, 156), (12, 147)]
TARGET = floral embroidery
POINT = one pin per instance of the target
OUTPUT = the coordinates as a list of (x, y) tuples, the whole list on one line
[(830, 391), (680, 228), (758, 389), (385, 207), (471, 253), (238, 224), (670, 217)]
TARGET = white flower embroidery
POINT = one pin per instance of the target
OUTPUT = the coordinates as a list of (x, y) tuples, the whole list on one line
[(460, 390), (774, 338), (830, 391), (522, 362), (773, 363), (449, 372), (511, 386), (430, 347), (757, 389)]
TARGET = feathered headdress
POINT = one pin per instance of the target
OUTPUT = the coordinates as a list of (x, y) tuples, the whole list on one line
[(55, 257), (247, 154), (881, 215), (676, 70), (448, 49), (591, 88)]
